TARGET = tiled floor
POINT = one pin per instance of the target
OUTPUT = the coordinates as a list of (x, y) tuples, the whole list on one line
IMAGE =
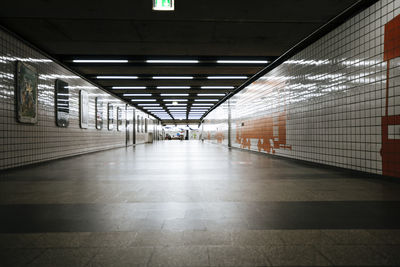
[(178, 203)]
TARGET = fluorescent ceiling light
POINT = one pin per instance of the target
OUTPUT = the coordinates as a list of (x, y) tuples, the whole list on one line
[(136, 94), (173, 87), (118, 77), (174, 94), (217, 87), (202, 104), (100, 61), (152, 107), (172, 77), (129, 87), (242, 61), (172, 61), (176, 104), (143, 100), (211, 94), (206, 100), (149, 105), (175, 100), (227, 77)]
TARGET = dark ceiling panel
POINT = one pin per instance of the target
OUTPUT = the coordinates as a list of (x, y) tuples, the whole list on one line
[(131, 30)]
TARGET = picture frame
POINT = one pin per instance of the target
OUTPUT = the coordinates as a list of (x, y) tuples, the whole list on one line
[(99, 113), (27, 93), (110, 117), (119, 119), (61, 103), (84, 109)]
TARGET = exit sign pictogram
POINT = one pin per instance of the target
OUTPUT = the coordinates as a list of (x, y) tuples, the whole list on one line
[(163, 5)]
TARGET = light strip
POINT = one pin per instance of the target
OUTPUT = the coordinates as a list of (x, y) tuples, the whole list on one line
[(176, 104), (242, 61), (172, 61), (206, 100), (211, 94), (143, 100), (173, 87), (173, 100), (217, 87), (227, 77), (172, 77), (136, 94), (202, 104), (100, 61), (118, 77), (149, 105), (152, 107), (174, 94), (129, 87)]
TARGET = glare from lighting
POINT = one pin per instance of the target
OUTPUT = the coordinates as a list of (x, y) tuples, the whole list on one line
[(173, 87), (129, 87), (100, 61), (118, 77), (173, 61), (217, 87), (136, 94), (242, 61), (227, 77), (172, 77)]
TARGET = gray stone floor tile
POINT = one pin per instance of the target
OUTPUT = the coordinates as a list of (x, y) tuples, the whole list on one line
[(389, 237), (180, 256), (353, 255), (207, 238), (391, 253), (18, 256), (60, 240), (122, 257), (351, 237), (108, 239), (158, 238), (65, 257), (302, 255), (305, 237), (237, 256), (18, 240), (256, 237)]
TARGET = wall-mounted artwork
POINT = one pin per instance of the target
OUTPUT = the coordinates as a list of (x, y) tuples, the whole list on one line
[(110, 117), (27, 93), (99, 113), (84, 108), (62, 103), (119, 119)]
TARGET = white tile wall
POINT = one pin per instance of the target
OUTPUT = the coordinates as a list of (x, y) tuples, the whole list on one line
[(333, 94), (22, 144)]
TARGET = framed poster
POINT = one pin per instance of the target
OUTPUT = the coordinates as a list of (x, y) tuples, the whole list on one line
[(99, 113), (84, 108), (27, 93), (110, 117), (62, 103), (119, 119)]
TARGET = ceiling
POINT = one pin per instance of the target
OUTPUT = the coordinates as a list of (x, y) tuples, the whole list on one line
[(203, 31)]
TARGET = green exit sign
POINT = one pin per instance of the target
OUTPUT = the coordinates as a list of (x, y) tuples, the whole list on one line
[(164, 5)]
